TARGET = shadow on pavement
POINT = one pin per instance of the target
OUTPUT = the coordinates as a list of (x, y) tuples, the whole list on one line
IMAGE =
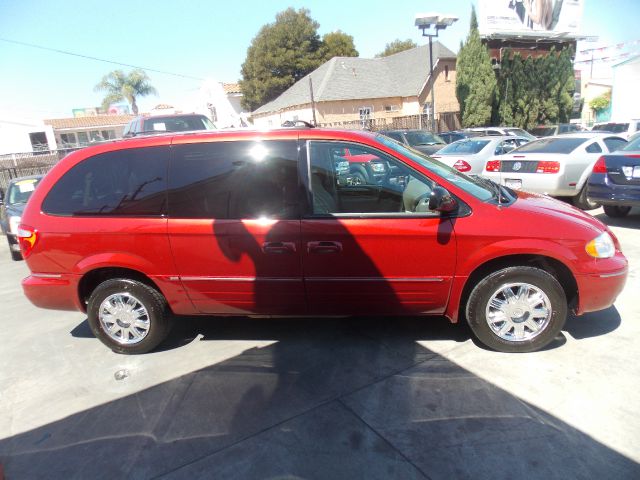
[(341, 398), (632, 220)]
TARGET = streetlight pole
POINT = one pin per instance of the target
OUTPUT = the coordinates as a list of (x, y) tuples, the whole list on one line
[(425, 21)]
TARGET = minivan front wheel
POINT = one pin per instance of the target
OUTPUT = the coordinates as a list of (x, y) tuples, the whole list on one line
[(128, 316), (517, 309)]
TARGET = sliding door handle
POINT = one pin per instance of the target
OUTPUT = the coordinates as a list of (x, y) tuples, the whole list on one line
[(279, 247), (324, 247)]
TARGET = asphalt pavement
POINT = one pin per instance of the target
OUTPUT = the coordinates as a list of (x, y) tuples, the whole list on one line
[(370, 398)]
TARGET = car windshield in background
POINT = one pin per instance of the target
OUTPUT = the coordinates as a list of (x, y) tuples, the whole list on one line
[(518, 131), (632, 146), (465, 147), (551, 145), (423, 138), (612, 127), (471, 185), (543, 131), (177, 124), (20, 191)]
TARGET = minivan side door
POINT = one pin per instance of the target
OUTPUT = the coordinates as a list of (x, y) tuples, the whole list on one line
[(374, 248), (234, 225)]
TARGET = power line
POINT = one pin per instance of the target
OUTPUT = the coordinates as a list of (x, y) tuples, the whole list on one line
[(64, 52)]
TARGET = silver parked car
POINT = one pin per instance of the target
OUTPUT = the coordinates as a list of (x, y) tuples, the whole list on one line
[(470, 154), (558, 166)]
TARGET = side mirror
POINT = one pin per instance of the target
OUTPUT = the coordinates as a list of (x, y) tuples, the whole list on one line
[(441, 200)]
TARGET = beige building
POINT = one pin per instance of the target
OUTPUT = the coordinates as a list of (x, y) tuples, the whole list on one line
[(591, 89), (347, 89), (82, 131)]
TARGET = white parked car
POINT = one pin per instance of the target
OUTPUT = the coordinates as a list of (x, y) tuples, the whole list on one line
[(624, 129), (470, 154), (511, 131), (558, 166)]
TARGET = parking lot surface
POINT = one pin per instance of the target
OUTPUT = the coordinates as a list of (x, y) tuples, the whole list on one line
[(320, 398)]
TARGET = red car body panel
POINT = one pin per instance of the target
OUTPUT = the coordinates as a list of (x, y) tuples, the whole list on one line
[(311, 265)]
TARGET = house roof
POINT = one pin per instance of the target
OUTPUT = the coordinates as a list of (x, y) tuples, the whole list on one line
[(231, 88), (92, 121), (345, 78)]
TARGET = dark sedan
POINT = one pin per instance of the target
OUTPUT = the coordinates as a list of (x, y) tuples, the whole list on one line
[(615, 180), (421, 140), (11, 208)]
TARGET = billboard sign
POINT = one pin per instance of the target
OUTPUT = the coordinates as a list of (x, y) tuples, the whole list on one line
[(534, 18)]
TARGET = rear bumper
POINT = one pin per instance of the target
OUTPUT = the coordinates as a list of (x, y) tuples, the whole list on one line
[(53, 291), (603, 191), (550, 184)]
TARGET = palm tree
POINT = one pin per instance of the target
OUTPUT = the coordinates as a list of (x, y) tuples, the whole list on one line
[(125, 87)]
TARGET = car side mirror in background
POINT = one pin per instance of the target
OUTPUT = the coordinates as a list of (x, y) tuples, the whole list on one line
[(441, 200)]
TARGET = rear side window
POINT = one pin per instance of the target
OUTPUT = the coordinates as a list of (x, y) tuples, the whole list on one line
[(235, 180), (129, 182), (594, 148)]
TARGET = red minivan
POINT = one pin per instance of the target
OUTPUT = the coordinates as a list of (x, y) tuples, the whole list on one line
[(138, 232)]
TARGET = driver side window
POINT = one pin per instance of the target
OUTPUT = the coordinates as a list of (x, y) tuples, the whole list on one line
[(349, 179)]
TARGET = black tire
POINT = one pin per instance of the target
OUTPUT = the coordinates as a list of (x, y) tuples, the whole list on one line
[(15, 256), (615, 211), (582, 200), (157, 315), (491, 285)]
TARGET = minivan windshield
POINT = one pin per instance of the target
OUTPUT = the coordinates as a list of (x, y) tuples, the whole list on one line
[(551, 145), (182, 123), (473, 186), (464, 147)]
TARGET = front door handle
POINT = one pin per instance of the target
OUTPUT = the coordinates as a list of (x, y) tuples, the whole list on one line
[(279, 247), (324, 247)]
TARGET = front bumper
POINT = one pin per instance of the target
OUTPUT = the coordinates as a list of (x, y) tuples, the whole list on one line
[(603, 191), (599, 290)]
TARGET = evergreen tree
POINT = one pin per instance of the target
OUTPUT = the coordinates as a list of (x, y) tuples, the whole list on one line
[(475, 79)]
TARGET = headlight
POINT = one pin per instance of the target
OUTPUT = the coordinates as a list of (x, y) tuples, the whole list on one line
[(601, 247), (13, 224)]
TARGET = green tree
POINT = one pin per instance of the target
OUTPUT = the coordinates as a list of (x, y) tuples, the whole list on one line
[(337, 44), (534, 91), (119, 86), (285, 51), (475, 79), (397, 46)]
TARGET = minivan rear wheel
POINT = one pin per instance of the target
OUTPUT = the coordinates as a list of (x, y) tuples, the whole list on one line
[(128, 316), (517, 309)]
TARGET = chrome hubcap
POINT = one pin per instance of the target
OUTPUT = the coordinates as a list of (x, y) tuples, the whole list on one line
[(518, 312), (124, 318)]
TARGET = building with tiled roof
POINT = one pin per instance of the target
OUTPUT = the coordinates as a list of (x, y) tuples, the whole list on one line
[(351, 88), (80, 131)]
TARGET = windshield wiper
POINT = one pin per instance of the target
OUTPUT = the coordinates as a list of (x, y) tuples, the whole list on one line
[(496, 189)]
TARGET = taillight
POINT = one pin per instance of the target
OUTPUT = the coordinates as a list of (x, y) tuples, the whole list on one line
[(462, 166), (493, 166), (600, 166), (548, 167), (27, 238)]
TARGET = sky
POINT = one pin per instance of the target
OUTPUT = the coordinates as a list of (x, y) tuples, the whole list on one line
[(209, 39)]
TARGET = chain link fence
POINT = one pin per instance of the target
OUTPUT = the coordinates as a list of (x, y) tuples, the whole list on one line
[(445, 122), (23, 164)]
